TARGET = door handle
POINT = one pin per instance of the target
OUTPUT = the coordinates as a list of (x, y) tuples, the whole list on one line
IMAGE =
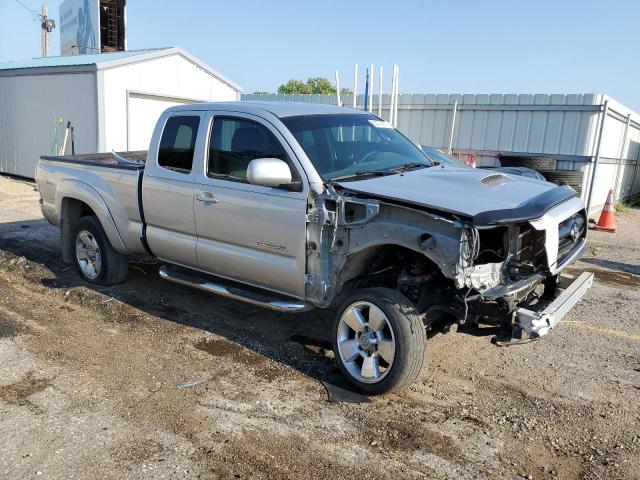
[(206, 197)]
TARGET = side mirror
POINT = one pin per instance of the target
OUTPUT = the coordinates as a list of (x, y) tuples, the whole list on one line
[(268, 172)]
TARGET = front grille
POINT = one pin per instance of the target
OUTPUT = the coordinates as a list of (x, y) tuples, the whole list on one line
[(530, 246), (570, 232)]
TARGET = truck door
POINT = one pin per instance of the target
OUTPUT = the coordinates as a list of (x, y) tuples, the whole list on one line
[(249, 233), (167, 189)]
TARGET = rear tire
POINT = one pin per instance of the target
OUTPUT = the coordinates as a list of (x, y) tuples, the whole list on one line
[(379, 341), (95, 258)]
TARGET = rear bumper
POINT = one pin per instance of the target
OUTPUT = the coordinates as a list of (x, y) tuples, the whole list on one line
[(538, 323)]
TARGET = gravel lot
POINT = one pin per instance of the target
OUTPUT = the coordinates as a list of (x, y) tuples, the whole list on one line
[(88, 381)]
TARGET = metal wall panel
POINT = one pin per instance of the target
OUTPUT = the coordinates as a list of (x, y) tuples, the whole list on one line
[(540, 123), (30, 108)]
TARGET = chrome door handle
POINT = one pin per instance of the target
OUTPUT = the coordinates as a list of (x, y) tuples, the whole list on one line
[(206, 197)]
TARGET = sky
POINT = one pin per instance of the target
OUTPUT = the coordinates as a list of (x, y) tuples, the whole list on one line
[(541, 46)]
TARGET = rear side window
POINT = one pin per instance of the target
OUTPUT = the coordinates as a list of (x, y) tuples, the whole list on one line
[(234, 143), (178, 143)]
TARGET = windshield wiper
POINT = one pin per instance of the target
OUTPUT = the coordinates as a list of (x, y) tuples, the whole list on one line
[(410, 166), (360, 174)]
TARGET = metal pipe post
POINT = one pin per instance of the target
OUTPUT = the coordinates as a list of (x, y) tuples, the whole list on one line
[(392, 96), (355, 84), (371, 76), (635, 171), (367, 78), (594, 169), (380, 92), (395, 104), (339, 100), (453, 125), (623, 147)]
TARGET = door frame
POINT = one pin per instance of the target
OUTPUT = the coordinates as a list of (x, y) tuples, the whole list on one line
[(201, 180)]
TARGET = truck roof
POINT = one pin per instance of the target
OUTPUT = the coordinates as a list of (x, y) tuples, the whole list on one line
[(279, 109)]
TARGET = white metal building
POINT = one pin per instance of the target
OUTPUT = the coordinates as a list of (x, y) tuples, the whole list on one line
[(111, 99)]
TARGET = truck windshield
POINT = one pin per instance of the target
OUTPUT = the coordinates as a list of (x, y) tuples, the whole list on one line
[(354, 145)]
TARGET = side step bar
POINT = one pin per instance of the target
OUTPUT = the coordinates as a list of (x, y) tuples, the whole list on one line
[(225, 288)]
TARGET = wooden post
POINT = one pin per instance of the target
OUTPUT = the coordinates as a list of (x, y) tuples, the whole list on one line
[(44, 38)]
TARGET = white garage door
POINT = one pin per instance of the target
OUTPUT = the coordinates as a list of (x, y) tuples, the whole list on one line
[(143, 113)]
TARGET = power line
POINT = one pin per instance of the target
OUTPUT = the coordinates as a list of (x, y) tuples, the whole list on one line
[(36, 15)]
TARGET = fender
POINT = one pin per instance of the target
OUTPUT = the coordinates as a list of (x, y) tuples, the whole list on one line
[(335, 238), (78, 190)]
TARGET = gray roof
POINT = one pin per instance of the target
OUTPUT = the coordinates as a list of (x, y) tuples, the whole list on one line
[(279, 109), (101, 61)]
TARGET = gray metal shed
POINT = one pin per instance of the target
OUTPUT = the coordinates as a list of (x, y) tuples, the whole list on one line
[(112, 100)]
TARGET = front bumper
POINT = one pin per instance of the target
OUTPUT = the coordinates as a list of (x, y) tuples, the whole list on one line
[(538, 323)]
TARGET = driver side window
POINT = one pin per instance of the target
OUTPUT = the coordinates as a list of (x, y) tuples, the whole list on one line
[(234, 143)]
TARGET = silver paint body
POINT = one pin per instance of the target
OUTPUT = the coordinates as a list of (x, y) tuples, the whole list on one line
[(463, 187), (288, 242)]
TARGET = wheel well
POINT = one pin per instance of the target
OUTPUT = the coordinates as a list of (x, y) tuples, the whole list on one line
[(72, 210), (399, 268), (386, 266)]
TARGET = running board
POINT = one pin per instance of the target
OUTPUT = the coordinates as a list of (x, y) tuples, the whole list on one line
[(225, 288)]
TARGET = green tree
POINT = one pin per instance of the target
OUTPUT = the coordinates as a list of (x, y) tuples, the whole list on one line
[(312, 85), (294, 86), (258, 92), (321, 85)]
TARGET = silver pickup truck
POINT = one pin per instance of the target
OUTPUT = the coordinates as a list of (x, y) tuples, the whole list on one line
[(297, 206)]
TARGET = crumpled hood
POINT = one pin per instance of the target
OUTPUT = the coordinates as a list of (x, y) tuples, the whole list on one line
[(466, 191)]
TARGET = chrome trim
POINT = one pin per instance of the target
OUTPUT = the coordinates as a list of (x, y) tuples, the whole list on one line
[(549, 223), (536, 324), (216, 286)]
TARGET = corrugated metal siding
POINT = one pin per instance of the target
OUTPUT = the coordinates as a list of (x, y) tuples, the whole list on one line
[(537, 123), (30, 107)]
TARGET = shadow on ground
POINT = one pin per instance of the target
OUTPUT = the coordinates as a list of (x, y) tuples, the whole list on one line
[(620, 266), (300, 341)]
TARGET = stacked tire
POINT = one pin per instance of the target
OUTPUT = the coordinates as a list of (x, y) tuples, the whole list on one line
[(536, 163), (572, 178), (547, 166)]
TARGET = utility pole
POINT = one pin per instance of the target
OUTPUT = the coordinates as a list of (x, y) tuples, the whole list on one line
[(47, 26)]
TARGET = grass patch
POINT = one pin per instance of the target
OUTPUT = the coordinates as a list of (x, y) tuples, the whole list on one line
[(630, 203), (621, 206)]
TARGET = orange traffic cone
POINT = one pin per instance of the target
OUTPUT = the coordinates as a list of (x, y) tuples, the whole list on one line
[(607, 221)]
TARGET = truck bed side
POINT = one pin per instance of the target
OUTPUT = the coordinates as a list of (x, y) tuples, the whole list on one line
[(72, 186)]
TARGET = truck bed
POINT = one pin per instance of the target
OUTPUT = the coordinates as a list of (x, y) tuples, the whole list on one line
[(133, 160)]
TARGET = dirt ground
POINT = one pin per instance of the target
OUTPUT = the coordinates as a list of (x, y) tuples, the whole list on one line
[(89, 381)]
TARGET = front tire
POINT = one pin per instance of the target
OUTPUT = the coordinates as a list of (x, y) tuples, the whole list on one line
[(96, 260), (379, 341)]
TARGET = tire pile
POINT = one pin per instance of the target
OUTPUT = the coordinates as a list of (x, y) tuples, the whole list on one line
[(547, 167)]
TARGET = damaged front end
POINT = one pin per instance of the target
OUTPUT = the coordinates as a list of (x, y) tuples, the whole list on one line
[(453, 268), (514, 269)]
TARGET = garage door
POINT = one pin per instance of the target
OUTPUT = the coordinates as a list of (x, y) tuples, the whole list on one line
[(143, 113)]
